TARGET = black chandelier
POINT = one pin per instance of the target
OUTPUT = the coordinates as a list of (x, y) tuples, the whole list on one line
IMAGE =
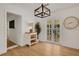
[(42, 11)]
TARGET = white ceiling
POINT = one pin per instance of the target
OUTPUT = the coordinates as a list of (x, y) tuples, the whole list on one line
[(59, 7), (53, 6)]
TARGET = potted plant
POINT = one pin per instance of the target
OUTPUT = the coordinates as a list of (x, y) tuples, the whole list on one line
[(37, 29)]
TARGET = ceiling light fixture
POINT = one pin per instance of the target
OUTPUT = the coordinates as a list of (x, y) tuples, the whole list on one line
[(42, 11)]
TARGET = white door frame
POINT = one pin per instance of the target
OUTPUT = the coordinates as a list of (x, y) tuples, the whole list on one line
[(14, 46)]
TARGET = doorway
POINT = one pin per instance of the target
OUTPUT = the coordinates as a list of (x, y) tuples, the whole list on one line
[(13, 29)]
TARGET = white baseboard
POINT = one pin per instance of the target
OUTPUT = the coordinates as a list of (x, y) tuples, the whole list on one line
[(49, 42), (14, 46), (2, 52), (58, 43)]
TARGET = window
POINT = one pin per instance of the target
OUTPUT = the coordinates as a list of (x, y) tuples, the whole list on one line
[(12, 24)]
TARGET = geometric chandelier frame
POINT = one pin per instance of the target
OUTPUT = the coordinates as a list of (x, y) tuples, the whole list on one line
[(42, 11)]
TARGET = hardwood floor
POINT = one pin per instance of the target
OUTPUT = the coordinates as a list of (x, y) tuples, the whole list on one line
[(42, 49), (9, 43)]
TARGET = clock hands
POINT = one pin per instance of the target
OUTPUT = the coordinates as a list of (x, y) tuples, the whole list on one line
[(70, 23)]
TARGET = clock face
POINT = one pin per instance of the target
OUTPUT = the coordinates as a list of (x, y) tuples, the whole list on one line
[(71, 22)]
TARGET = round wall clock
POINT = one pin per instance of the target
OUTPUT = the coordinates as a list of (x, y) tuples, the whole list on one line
[(71, 22)]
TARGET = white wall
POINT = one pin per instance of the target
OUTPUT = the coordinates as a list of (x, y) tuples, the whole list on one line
[(16, 9), (14, 34), (3, 45), (70, 38), (25, 17)]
